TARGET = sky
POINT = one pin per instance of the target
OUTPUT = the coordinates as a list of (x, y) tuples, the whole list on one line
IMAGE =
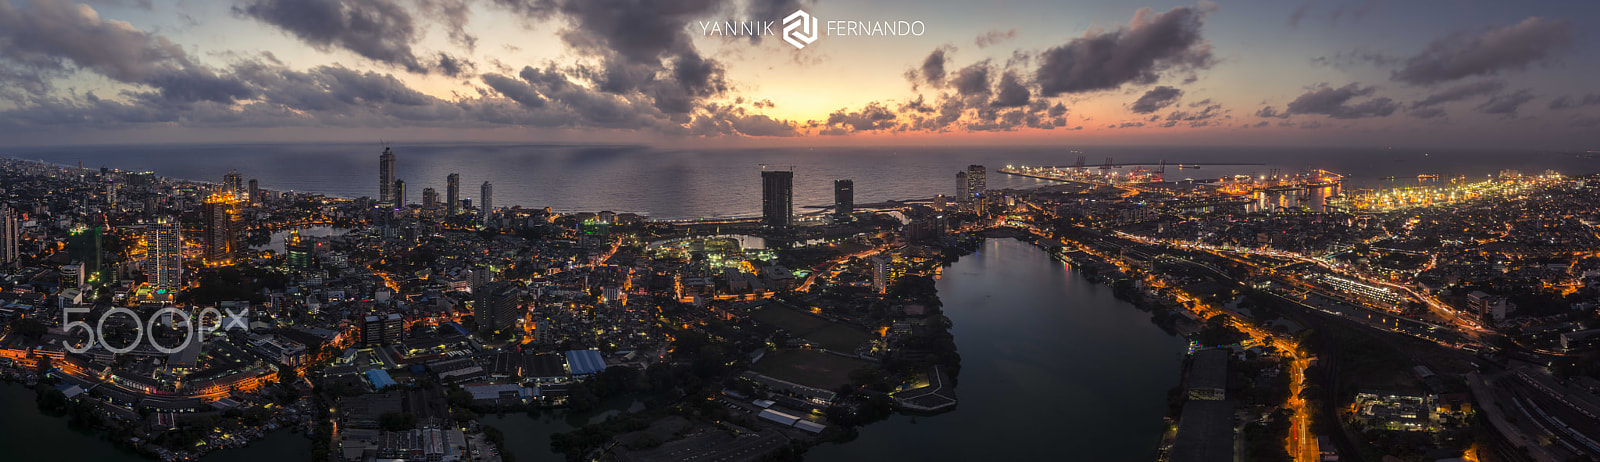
[(1462, 74)]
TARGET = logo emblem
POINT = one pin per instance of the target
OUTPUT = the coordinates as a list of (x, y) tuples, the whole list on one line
[(800, 29)]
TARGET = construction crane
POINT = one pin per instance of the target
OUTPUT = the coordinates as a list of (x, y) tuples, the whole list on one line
[(1161, 170)]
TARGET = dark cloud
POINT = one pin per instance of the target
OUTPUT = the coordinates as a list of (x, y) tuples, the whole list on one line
[(329, 89), (1155, 99), (875, 116), (50, 38), (589, 107), (972, 80), (1269, 112), (1298, 14), (1459, 92), (453, 15), (635, 33), (993, 120), (1151, 44), (932, 69), (732, 120), (1427, 113), (1352, 58), (55, 34), (642, 49), (535, 10), (89, 111), (771, 10), (288, 98), (197, 83), (1019, 58), (517, 90), (1335, 102), (994, 37), (1011, 93), (1506, 104), (380, 30), (1198, 118), (1464, 55), (917, 106), (1575, 102), (140, 4), (455, 67), (260, 91), (934, 117), (1356, 13), (1334, 15)]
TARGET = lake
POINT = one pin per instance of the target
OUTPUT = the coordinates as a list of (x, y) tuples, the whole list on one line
[(1053, 367)]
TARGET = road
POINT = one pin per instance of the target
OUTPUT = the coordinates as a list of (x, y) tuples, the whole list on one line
[(1301, 444), (1466, 326)]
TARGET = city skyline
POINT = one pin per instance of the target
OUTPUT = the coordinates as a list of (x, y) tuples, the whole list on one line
[(1023, 73), (1453, 287), (726, 230)]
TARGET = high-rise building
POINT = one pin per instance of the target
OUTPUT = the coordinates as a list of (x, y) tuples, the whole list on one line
[(10, 234), (233, 183), (141, 179), (394, 328), (977, 185), (430, 199), (371, 331), (480, 277), (84, 245), (386, 177), (399, 194), (163, 256), (255, 192), (594, 234), (777, 198), (382, 329), (844, 198), (497, 306), (880, 273), (452, 194), (963, 187), (72, 276), (486, 210), (297, 250), (221, 229)]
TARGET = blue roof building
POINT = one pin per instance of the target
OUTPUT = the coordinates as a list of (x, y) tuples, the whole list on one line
[(585, 362), (380, 379)]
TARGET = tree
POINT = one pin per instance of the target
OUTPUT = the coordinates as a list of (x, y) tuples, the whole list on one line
[(28, 327), (459, 397), (50, 399), (869, 377), (287, 375)]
